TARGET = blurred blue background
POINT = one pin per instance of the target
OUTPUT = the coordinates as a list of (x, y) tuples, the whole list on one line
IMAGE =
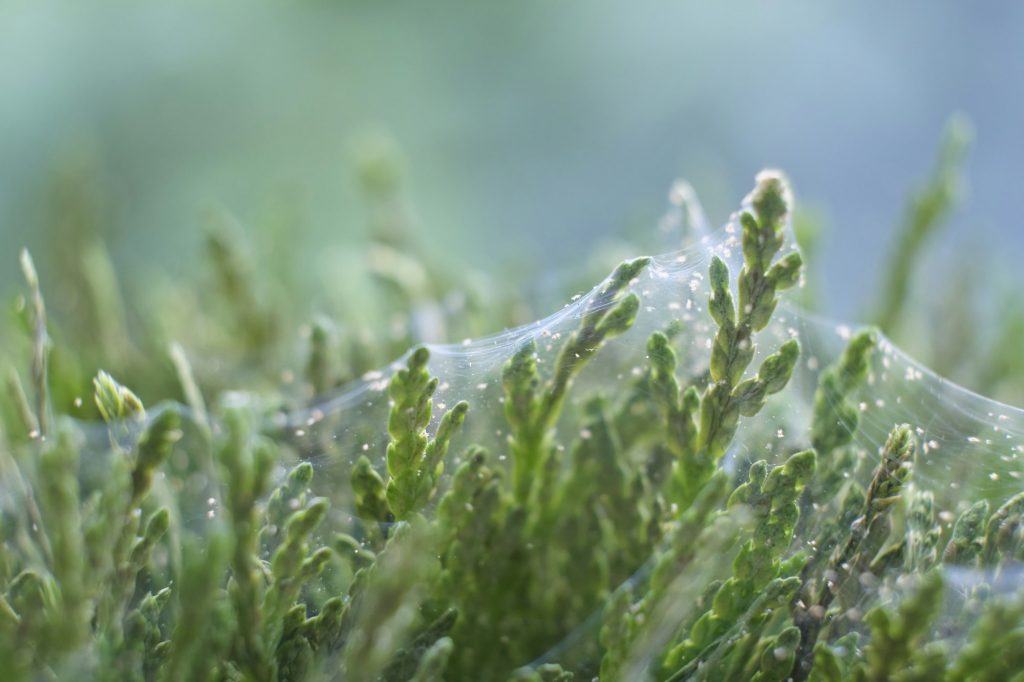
[(530, 131)]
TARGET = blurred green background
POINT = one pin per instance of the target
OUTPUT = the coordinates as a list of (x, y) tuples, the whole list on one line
[(528, 133)]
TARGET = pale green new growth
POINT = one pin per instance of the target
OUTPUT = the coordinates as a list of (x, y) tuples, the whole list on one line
[(115, 402), (533, 407), (699, 446), (414, 460)]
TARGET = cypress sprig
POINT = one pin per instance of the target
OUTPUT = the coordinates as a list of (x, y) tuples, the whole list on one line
[(294, 653), (414, 460), (470, 480), (117, 515), (286, 498), (638, 418), (834, 421), (246, 464), (700, 441), (533, 408), (680, 408), (156, 527), (770, 497), (716, 656), (923, 534), (759, 280), (293, 564), (147, 647), (152, 450), (607, 315), (368, 490), (887, 482), (323, 630), (485, 570), (866, 536), (835, 417), (968, 539), (721, 406)]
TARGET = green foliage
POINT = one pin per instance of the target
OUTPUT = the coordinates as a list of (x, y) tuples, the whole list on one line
[(928, 208), (835, 417), (415, 461), (727, 397), (609, 534), (770, 498), (532, 407)]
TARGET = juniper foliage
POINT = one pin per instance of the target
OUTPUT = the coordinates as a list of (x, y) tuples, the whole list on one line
[(605, 534)]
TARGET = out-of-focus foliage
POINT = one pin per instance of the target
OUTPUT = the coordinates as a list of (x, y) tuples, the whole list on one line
[(956, 312)]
